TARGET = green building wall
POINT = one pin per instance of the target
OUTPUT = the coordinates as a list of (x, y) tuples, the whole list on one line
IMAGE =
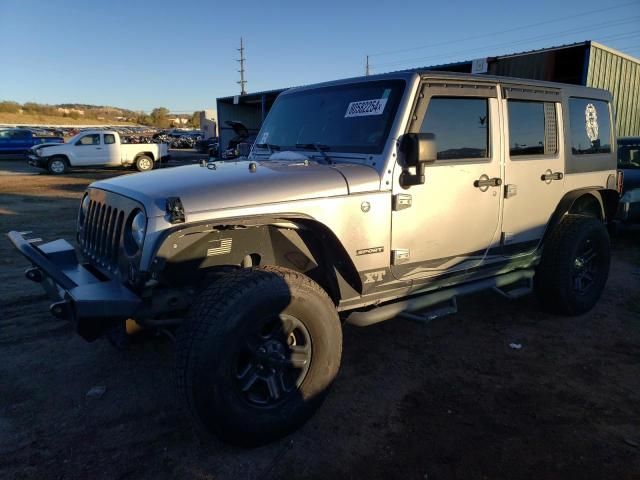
[(620, 74)]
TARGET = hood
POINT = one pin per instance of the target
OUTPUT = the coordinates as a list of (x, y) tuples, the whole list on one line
[(46, 145), (234, 184), (238, 127)]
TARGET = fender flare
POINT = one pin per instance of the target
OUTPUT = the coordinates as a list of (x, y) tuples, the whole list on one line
[(315, 241), (604, 201)]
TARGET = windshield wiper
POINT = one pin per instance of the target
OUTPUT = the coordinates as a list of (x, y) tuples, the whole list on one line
[(322, 149), (269, 146)]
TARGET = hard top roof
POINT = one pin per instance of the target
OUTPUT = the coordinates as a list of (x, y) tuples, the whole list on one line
[(461, 77)]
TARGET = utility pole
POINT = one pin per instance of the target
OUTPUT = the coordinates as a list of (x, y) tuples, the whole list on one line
[(366, 68), (242, 81)]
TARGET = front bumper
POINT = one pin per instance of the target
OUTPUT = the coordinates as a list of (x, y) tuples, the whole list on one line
[(36, 161), (81, 293)]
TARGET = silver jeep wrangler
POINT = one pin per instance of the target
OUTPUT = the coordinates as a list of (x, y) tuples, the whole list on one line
[(362, 200)]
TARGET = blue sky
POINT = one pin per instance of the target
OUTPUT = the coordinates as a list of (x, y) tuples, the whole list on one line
[(182, 54)]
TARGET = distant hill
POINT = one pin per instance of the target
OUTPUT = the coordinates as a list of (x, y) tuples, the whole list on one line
[(81, 113), (70, 111)]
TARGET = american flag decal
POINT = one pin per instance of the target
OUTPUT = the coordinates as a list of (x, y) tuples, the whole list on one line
[(223, 249)]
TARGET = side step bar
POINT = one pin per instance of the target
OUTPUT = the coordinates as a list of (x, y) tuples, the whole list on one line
[(415, 304)]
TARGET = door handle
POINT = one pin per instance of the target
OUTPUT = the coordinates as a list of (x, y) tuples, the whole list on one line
[(484, 182), (98, 148), (549, 175)]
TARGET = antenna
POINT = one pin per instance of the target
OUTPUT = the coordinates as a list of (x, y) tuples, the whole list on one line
[(366, 68), (242, 81)]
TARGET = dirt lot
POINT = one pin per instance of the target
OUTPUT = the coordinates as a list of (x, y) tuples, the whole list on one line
[(447, 400)]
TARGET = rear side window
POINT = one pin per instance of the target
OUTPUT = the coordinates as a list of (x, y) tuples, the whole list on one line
[(532, 128), (109, 138), (93, 139), (461, 127), (590, 126)]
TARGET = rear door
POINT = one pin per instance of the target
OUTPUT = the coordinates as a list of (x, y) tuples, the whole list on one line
[(534, 167), (453, 218)]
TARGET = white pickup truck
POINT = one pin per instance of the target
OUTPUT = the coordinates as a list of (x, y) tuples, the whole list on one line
[(96, 148)]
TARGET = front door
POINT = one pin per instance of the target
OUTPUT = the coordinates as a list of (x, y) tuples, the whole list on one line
[(88, 150), (453, 218), (534, 167)]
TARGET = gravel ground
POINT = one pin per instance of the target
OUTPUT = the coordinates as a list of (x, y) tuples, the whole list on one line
[(446, 400)]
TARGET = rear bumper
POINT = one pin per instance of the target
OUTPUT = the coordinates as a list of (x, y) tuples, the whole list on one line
[(81, 294)]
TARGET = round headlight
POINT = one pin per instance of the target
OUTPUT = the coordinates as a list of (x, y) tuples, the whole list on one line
[(138, 228), (84, 209)]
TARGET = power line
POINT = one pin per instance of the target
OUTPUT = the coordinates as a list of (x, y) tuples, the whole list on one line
[(515, 29), (585, 29)]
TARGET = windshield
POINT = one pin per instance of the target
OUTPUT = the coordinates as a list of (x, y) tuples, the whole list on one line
[(343, 118), (629, 156)]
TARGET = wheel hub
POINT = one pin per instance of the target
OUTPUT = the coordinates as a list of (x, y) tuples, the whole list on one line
[(585, 268), (273, 362)]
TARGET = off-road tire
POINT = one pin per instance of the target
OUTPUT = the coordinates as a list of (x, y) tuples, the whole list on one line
[(144, 163), (563, 261), (223, 317), (57, 165)]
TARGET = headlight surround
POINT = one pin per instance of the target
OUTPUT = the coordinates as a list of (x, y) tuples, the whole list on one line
[(84, 209), (135, 231)]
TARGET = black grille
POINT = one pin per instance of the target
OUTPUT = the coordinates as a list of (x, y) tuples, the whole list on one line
[(101, 234)]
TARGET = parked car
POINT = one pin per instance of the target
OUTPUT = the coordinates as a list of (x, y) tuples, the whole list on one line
[(364, 200), (207, 145), (18, 140), (629, 165), (97, 148)]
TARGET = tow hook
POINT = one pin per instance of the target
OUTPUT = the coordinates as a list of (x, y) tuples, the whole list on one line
[(60, 309), (34, 274)]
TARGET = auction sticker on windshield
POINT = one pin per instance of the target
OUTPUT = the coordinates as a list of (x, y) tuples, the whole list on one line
[(364, 108)]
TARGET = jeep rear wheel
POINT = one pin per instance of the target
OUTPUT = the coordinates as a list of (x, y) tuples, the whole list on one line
[(257, 354), (575, 265)]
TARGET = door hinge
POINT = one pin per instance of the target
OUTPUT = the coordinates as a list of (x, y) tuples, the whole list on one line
[(399, 256), (401, 201)]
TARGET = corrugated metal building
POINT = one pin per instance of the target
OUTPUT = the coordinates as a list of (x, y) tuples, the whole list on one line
[(585, 63)]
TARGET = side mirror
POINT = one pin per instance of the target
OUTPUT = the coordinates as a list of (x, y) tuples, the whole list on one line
[(419, 149)]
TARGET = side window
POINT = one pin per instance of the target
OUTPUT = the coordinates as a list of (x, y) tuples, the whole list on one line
[(21, 135), (109, 138), (93, 139), (532, 128), (590, 126), (461, 127)]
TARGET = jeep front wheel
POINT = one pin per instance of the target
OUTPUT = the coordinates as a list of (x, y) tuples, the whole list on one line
[(574, 266), (257, 354)]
